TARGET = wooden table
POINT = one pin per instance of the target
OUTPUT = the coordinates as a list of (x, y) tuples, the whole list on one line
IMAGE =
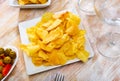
[(96, 69)]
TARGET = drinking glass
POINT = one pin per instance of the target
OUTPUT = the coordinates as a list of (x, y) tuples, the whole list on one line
[(109, 12), (86, 6)]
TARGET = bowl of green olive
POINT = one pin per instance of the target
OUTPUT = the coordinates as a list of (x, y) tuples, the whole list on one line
[(8, 60)]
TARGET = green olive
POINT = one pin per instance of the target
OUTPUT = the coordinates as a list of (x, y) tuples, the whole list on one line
[(1, 68), (7, 60), (7, 51), (1, 50), (12, 54), (1, 76)]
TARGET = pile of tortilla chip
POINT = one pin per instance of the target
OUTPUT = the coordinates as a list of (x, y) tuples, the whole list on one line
[(23, 2), (56, 39)]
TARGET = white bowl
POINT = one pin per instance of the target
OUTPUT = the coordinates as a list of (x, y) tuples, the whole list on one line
[(15, 61), (14, 3)]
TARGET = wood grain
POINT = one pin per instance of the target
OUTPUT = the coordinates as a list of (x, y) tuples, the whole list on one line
[(96, 69)]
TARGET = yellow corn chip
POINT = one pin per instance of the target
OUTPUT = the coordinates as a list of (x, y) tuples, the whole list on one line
[(54, 25), (24, 2), (34, 1), (43, 55), (30, 49), (53, 35), (37, 61), (57, 58), (82, 55), (42, 1)]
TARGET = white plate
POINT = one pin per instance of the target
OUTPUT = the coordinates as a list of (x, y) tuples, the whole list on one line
[(31, 69), (15, 61), (14, 3)]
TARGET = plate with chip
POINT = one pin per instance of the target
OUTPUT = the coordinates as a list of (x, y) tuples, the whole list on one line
[(30, 67), (15, 3)]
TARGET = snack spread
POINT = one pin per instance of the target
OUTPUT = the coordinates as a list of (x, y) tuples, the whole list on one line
[(56, 39)]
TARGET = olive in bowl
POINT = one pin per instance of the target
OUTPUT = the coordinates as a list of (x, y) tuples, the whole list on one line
[(8, 60)]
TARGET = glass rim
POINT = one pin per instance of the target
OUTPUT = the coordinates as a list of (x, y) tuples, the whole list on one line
[(87, 12)]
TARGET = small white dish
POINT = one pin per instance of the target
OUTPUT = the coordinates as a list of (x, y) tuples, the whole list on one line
[(15, 61), (14, 3), (30, 67)]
